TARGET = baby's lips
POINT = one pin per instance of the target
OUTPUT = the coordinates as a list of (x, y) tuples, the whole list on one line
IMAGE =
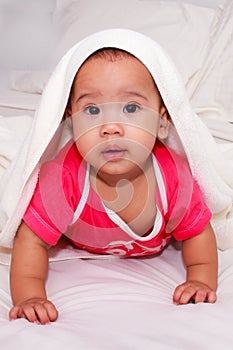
[(113, 148)]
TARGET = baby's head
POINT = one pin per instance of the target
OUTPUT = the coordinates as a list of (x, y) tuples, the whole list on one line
[(114, 102)]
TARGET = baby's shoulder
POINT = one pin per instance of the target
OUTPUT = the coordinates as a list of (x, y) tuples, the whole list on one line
[(67, 165), (68, 158), (66, 172), (172, 165)]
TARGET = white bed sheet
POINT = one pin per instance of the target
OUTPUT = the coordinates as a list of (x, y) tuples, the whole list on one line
[(118, 304)]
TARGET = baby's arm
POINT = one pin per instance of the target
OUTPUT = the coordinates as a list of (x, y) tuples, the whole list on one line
[(201, 260), (28, 275)]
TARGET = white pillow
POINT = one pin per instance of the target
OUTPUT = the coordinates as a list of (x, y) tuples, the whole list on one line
[(182, 29), (29, 81)]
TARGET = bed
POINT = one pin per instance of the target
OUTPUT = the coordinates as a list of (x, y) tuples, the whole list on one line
[(107, 302)]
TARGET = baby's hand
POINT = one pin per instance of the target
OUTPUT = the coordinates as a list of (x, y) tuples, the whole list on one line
[(195, 291), (35, 310)]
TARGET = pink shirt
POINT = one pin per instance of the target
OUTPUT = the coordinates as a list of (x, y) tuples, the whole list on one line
[(65, 203)]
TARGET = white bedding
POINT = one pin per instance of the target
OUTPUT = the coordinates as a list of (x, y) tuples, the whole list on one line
[(15, 103), (116, 304), (123, 304)]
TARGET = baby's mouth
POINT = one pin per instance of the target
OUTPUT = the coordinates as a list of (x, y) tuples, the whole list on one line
[(113, 152)]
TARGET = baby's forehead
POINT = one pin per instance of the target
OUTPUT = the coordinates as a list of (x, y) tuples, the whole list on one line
[(108, 55), (111, 55), (90, 70)]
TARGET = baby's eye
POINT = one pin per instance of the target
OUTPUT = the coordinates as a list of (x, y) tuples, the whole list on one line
[(131, 108), (93, 110)]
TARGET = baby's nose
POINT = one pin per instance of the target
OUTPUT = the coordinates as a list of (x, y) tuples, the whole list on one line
[(111, 128)]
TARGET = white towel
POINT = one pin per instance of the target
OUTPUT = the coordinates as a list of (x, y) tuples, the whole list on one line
[(207, 163)]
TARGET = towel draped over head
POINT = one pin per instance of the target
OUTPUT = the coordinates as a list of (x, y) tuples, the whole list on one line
[(188, 134)]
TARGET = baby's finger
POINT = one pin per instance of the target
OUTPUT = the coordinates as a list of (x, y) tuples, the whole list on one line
[(187, 295), (183, 294), (42, 313), (211, 297), (51, 311), (177, 294), (15, 313), (30, 313), (201, 296)]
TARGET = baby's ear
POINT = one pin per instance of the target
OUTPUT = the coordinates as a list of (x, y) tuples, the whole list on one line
[(67, 112), (164, 123)]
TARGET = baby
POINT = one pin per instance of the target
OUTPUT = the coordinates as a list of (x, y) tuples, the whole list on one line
[(114, 189)]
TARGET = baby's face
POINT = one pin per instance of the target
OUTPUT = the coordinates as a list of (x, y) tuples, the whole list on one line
[(115, 108)]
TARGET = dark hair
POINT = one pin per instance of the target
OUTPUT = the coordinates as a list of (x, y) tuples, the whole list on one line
[(110, 54)]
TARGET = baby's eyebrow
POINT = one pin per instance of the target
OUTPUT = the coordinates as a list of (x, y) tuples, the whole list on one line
[(135, 93), (87, 95)]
